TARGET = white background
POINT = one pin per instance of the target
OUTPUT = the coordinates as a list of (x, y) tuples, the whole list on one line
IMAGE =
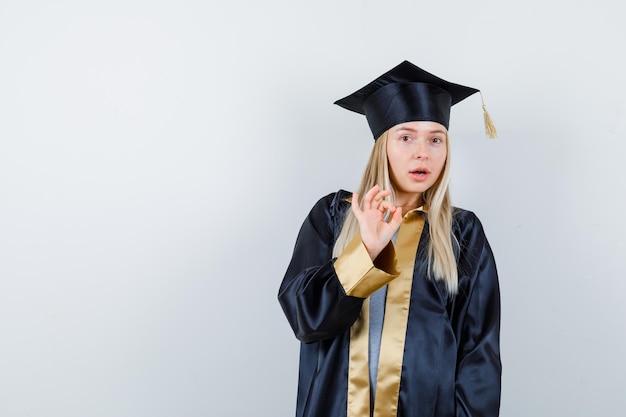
[(158, 157)]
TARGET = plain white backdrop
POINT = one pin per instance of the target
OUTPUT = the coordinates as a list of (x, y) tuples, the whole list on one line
[(158, 157)]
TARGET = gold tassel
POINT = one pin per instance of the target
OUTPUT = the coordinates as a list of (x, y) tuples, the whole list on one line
[(490, 128)]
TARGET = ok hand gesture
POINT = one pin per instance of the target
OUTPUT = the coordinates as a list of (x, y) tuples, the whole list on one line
[(375, 231)]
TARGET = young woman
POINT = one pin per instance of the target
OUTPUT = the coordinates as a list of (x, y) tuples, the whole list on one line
[(392, 291)]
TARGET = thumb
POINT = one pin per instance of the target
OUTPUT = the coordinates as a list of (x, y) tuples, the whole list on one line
[(396, 220)]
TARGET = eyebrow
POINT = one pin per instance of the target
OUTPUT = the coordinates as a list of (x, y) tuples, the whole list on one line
[(407, 129)]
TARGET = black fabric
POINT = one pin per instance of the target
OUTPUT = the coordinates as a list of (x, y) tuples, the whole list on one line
[(451, 364), (405, 93)]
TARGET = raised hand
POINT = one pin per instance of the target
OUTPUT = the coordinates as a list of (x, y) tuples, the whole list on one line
[(375, 231)]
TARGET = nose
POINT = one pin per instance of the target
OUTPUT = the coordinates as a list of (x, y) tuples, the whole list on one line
[(421, 150)]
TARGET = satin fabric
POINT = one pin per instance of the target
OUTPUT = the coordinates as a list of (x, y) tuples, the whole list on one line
[(451, 364), (405, 102), (405, 93)]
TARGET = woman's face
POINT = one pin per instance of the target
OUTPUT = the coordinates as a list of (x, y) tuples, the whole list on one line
[(416, 152)]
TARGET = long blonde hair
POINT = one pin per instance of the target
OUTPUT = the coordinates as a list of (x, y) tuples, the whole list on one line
[(441, 261)]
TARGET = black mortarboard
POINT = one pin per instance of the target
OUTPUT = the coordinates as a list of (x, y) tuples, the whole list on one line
[(408, 93)]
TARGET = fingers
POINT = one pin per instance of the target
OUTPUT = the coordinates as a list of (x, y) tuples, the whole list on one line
[(373, 198), (366, 204), (396, 219), (386, 205)]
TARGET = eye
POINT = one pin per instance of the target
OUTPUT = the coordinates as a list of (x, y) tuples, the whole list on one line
[(437, 140), (405, 138)]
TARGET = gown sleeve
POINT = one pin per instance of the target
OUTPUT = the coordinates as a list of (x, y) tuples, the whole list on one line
[(479, 368), (319, 303)]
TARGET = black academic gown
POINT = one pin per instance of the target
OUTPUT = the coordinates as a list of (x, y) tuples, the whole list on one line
[(451, 363)]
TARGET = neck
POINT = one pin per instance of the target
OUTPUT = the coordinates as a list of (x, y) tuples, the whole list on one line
[(409, 202)]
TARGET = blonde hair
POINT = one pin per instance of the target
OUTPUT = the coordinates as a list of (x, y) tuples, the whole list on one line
[(441, 261)]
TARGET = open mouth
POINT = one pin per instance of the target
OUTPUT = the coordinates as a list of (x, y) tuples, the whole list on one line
[(419, 174)]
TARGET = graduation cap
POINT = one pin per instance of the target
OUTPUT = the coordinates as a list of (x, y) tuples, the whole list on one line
[(408, 93)]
